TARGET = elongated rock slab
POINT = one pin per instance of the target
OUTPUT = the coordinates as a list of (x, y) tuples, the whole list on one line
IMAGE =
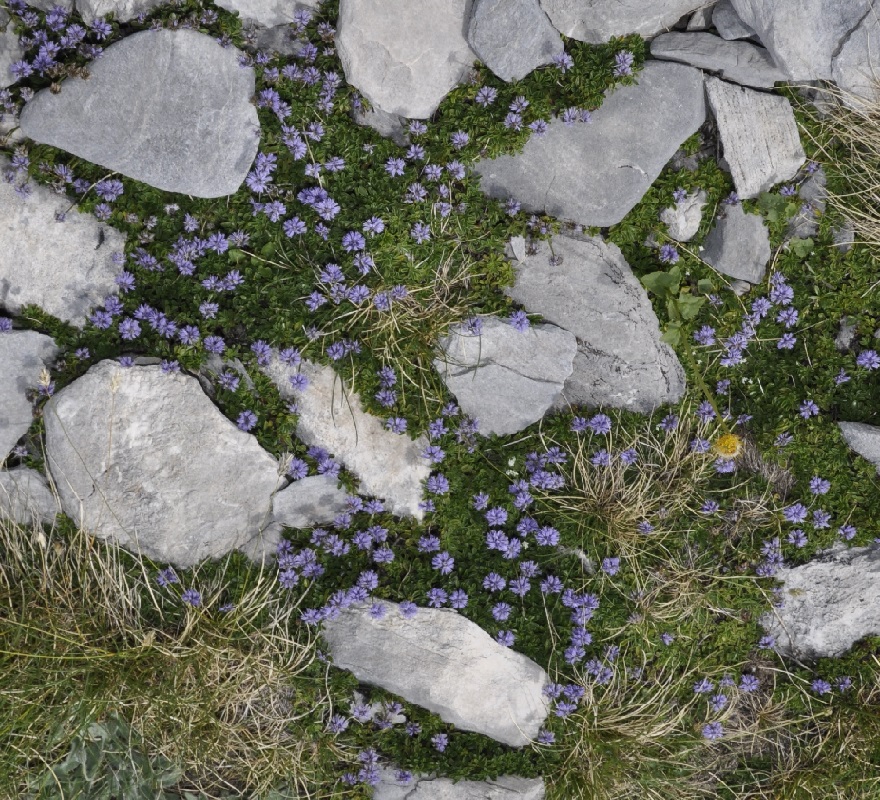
[(445, 663), (594, 174), (331, 416), (759, 135), (505, 378), (148, 460), (429, 787), (169, 108)]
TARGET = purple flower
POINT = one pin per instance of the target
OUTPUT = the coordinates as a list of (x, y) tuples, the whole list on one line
[(767, 642), (713, 730), (192, 597), (868, 359), (420, 232), (458, 599), (443, 562), (408, 609), (440, 741), (167, 576), (820, 686), (395, 166), (501, 611), (786, 342), (846, 532), (459, 139), (246, 421), (705, 336), (519, 321), (486, 96), (493, 582), (437, 484), (668, 254), (749, 683), (797, 537), (611, 566), (623, 63), (505, 638), (808, 409)]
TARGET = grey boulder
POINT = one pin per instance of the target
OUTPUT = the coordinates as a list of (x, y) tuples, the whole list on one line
[(864, 439), (391, 126), (505, 378), (759, 135), (738, 245), (683, 220), (122, 10), (66, 267), (23, 357), (26, 499), (430, 787), (701, 19), (597, 21), (445, 663), (854, 66), (10, 50), (813, 194), (512, 37), (594, 295), (147, 460), (266, 12), (828, 604), (728, 23), (404, 57), (740, 62), (594, 174), (804, 36), (170, 108), (388, 465)]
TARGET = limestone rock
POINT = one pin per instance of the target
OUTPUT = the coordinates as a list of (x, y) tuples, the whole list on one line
[(594, 174), (66, 267), (740, 62), (512, 37), (701, 19), (829, 603), (388, 465), (864, 439), (504, 378), (683, 220), (266, 12), (803, 37), (728, 23), (430, 787), (445, 663), (855, 66), (597, 21), (389, 125), (23, 356), (148, 460), (10, 50), (738, 245), (759, 135), (404, 57), (169, 108), (25, 497), (844, 236), (122, 10), (593, 294), (843, 341), (813, 194)]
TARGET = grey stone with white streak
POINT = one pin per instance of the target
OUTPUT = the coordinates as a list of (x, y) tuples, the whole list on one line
[(445, 663), (171, 108), (740, 62), (26, 499), (738, 245), (594, 295), (146, 459), (23, 357), (594, 174), (505, 378), (512, 37), (66, 267), (388, 465), (266, 12), (728, 23), (683, 220), (856, 66), (597, 21), (829, 603), (10, 50), (803, 36), (404, 57), (430, 787), (122, 10), (759, 135), (315, 500)]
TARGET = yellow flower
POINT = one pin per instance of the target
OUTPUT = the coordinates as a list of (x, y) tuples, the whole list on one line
[(729, 445)]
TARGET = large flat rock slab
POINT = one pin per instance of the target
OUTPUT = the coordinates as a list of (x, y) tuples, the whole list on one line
[(741, 62), (331, 416), (594, 295), (170, 108), (404, 57), (122, 10), (66, 268), (267, 12), (148, 460), (594, 174), (430, 787), (504, 378), (829, 603), (803, 36), (854, 66), (597, 21), (23, 357), (445, 663), (759, 135)]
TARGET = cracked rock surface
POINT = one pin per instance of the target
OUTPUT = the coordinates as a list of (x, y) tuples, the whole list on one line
[(443, 662), (148, 460), (427, 787), (171, 108), (594, 295), (505, 378), (595, 173)]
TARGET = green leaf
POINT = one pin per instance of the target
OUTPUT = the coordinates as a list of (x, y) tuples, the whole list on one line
[(705, 286), (801, 247), (689, 305), (236, 255), (659, 283), (672, 335)]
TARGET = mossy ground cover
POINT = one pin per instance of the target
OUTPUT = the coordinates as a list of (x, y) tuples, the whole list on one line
[(665, 547)]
